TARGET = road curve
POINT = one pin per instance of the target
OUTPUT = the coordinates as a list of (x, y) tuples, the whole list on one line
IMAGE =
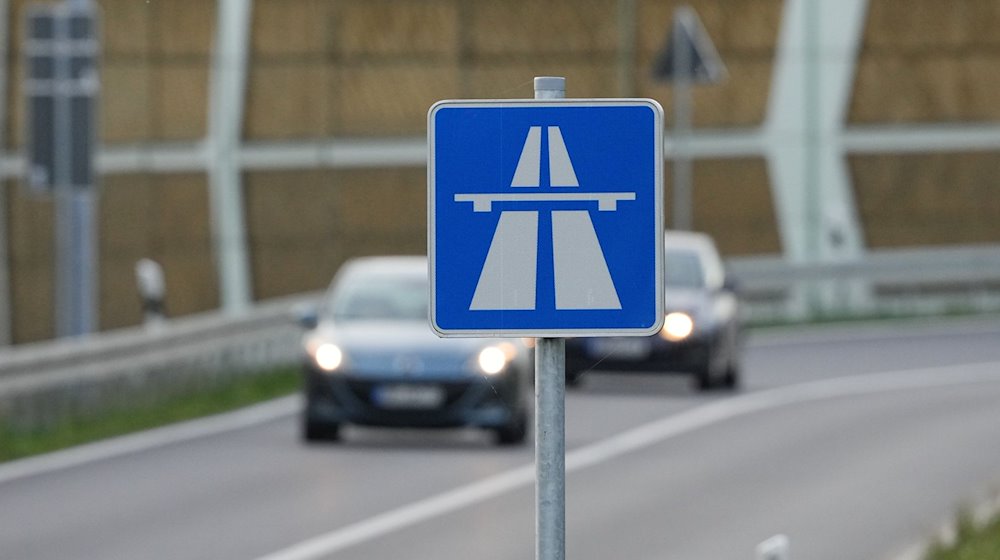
[(853, 442)]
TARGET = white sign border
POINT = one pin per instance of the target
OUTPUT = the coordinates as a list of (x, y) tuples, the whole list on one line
[(658, 202)]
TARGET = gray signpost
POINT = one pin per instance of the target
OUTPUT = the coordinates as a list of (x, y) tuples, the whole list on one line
[(61, 86), (524, 242), (689, 58)]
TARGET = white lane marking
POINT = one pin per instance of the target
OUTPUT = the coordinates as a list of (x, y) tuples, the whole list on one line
[(142, 441), (633, 440)]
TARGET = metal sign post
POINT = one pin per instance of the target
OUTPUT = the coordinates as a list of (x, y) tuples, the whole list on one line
[(545, 220), (550, 417), (689, 58), (62, 84)]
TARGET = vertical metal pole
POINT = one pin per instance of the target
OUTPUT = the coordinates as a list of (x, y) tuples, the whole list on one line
[(5, 314), (682, 209), (228, 86), (812, 217), (550, 417), (626, 47), (76, 256)]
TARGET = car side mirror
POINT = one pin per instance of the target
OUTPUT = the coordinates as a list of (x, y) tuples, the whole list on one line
[(306, 315), (729, 284)]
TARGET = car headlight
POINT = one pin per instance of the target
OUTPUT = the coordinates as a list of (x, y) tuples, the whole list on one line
[(677, 326), (326, 355), (494, 359)]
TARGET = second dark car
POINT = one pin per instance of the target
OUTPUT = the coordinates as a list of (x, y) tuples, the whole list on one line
[(701, 334)]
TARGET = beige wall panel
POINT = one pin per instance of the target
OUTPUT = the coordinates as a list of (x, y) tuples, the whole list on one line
[(294, 231), (391, 201), (928, 199), (181, 214), (914, 24), (744, 32), (126, 102), (366, 28), (180, 100), (289, 28), (192, 283), (732, 202), (928, 88), (32, 288), (120, 305), (734, 25), (288, 100), (515, 79), (928, 61), (125, 210), (30, 225), (389, 99), (15, 118), (304, 224), (982, 82), (280, 269), (31, 253), (739, 101), (533, 27), (183, 27), (126, 28), (286, 206)]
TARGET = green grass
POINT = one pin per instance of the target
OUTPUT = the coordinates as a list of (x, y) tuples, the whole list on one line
[(972, 542), (228, 395)]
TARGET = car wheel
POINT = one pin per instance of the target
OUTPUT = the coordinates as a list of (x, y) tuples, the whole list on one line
[(703, 379), (515, 431), (313, 431), (573, 378), (732, 377)]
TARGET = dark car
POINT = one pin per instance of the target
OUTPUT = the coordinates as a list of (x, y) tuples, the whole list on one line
[(701, 334), (372, 359)]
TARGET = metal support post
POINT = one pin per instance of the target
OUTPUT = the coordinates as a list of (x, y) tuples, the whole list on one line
[(550, 417), (228, 88), (550, 449), (682, 199), (5, 294)]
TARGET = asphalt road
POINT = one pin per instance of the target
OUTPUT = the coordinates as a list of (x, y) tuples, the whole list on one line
[(854, 442)]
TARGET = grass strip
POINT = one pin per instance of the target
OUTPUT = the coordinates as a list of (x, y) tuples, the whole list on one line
[(972, 542), (227, 395)]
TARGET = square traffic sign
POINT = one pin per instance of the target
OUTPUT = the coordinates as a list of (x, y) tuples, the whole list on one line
[(545, 218)]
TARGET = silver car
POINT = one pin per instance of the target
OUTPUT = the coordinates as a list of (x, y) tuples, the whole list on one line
[(370, 358)]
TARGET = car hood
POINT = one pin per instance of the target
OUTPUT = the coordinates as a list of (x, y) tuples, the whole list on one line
[(685, 299), (405, 350)]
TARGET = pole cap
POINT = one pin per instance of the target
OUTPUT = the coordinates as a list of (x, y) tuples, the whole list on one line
[(550, 83)]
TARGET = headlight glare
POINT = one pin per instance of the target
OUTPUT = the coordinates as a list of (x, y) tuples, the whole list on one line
[(492, 360), (677, 326), (328, 356)]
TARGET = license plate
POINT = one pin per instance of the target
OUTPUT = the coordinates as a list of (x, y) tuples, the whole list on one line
[(620, 348), (408, 396)]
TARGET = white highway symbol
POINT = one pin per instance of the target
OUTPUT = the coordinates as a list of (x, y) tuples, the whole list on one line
[(508, 279)]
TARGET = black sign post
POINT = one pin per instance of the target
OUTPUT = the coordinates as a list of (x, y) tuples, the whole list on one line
[(61, 86)]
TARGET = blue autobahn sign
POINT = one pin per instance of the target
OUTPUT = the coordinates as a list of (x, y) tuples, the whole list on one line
[(545, 217)]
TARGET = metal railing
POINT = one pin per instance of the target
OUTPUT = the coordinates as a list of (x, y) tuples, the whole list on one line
[(44, 383), (923, 281), (47, 382)]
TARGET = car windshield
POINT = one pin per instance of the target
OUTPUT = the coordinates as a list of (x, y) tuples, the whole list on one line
[(377, 297), (683, 269)]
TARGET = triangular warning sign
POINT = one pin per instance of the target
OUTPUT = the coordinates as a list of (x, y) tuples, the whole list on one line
[(701, 62)]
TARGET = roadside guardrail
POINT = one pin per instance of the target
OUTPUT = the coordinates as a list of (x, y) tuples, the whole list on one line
[(43, 383)]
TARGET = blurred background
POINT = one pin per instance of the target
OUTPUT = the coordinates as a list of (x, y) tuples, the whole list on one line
[(251, 147)]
